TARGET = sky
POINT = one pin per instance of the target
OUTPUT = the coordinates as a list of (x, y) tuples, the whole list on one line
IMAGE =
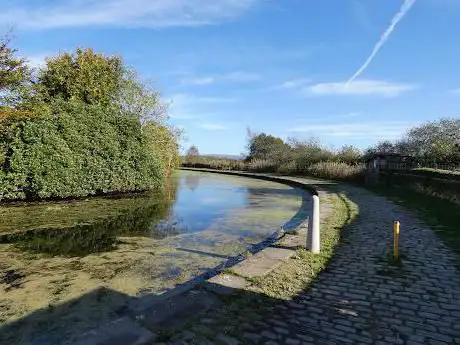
[(341, 71)]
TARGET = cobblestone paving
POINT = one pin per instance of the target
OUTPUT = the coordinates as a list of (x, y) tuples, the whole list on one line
[(361, 298)]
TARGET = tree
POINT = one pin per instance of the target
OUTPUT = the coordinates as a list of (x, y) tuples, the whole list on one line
[(192, 155), (84, 75), (349, 154), (435, 141), (90, 126), (382, 147), (14, 73), (141, 99), (163, 141), (263, 146), (307, 152), (193, 152)]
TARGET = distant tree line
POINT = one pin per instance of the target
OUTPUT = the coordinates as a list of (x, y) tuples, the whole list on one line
[(433, 142), (437, 141), (83, 124)]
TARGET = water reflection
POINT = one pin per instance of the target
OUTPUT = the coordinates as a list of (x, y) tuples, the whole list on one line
[(139, 216), (192, 181), (219, 208), (259, 197)]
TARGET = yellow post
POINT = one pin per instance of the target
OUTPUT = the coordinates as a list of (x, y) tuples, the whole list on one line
[(396, 240)]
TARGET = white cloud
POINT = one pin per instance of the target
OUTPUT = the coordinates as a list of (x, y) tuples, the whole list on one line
[(186, 99), (178, 115), (213, 126), (240, 77), (198, 81), (362, 130), (338, 116), (234, 77), (185, 106), (360, 87), (294, 84), (125, 13)]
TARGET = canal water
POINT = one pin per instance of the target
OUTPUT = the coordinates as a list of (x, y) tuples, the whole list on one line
[(66, 266)]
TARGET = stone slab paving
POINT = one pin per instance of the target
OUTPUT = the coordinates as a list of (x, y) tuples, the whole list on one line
[(263, 262), (228, 281), (362, 298)]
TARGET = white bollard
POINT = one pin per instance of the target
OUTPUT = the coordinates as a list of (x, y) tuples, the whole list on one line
[(313, 236)]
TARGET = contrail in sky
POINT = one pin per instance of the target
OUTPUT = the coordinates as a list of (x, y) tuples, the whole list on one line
[(396, 19)]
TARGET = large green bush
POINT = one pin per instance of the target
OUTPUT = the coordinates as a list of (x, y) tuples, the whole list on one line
[(77, 149), (86, 125)]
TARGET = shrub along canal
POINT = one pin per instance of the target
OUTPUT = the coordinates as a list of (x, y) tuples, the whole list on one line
[(67, 266)]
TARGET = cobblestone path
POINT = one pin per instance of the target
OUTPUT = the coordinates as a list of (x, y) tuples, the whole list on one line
[(361, 298)]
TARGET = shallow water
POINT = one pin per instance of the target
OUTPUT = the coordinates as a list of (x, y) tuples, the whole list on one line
[(56, 258)]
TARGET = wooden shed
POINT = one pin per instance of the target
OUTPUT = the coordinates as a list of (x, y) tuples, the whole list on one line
[(389, 161)]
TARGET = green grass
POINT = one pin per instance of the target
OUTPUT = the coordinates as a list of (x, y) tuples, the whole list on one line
[(442, 215), (437, 173), (295, 274)]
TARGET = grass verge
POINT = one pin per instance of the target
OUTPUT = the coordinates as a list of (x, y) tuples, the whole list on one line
[(295, 274)]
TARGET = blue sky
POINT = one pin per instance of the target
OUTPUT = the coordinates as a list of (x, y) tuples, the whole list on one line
[(284, 67)]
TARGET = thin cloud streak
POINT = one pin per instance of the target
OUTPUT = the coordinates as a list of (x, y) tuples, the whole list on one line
[(198, 81), (322, 118), (188, 99), (384, 130), (233, 77), (185, 106), (213, 126), (396, 19), (360, 87), (240, 77), (293, 84), (125, 13)]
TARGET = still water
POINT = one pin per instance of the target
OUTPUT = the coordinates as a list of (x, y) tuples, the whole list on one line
[(82, 262)]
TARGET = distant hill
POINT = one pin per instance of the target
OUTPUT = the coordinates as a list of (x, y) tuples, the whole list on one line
[(221, 156), (224, 156)]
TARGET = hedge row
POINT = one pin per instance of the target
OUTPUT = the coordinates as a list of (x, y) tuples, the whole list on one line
[(75, 149)]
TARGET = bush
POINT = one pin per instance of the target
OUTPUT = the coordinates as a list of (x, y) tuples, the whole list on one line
[(208, 162), (262, 165), (288, 168), (76, 149), (326, 169), (336, 171), (86, 125)]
